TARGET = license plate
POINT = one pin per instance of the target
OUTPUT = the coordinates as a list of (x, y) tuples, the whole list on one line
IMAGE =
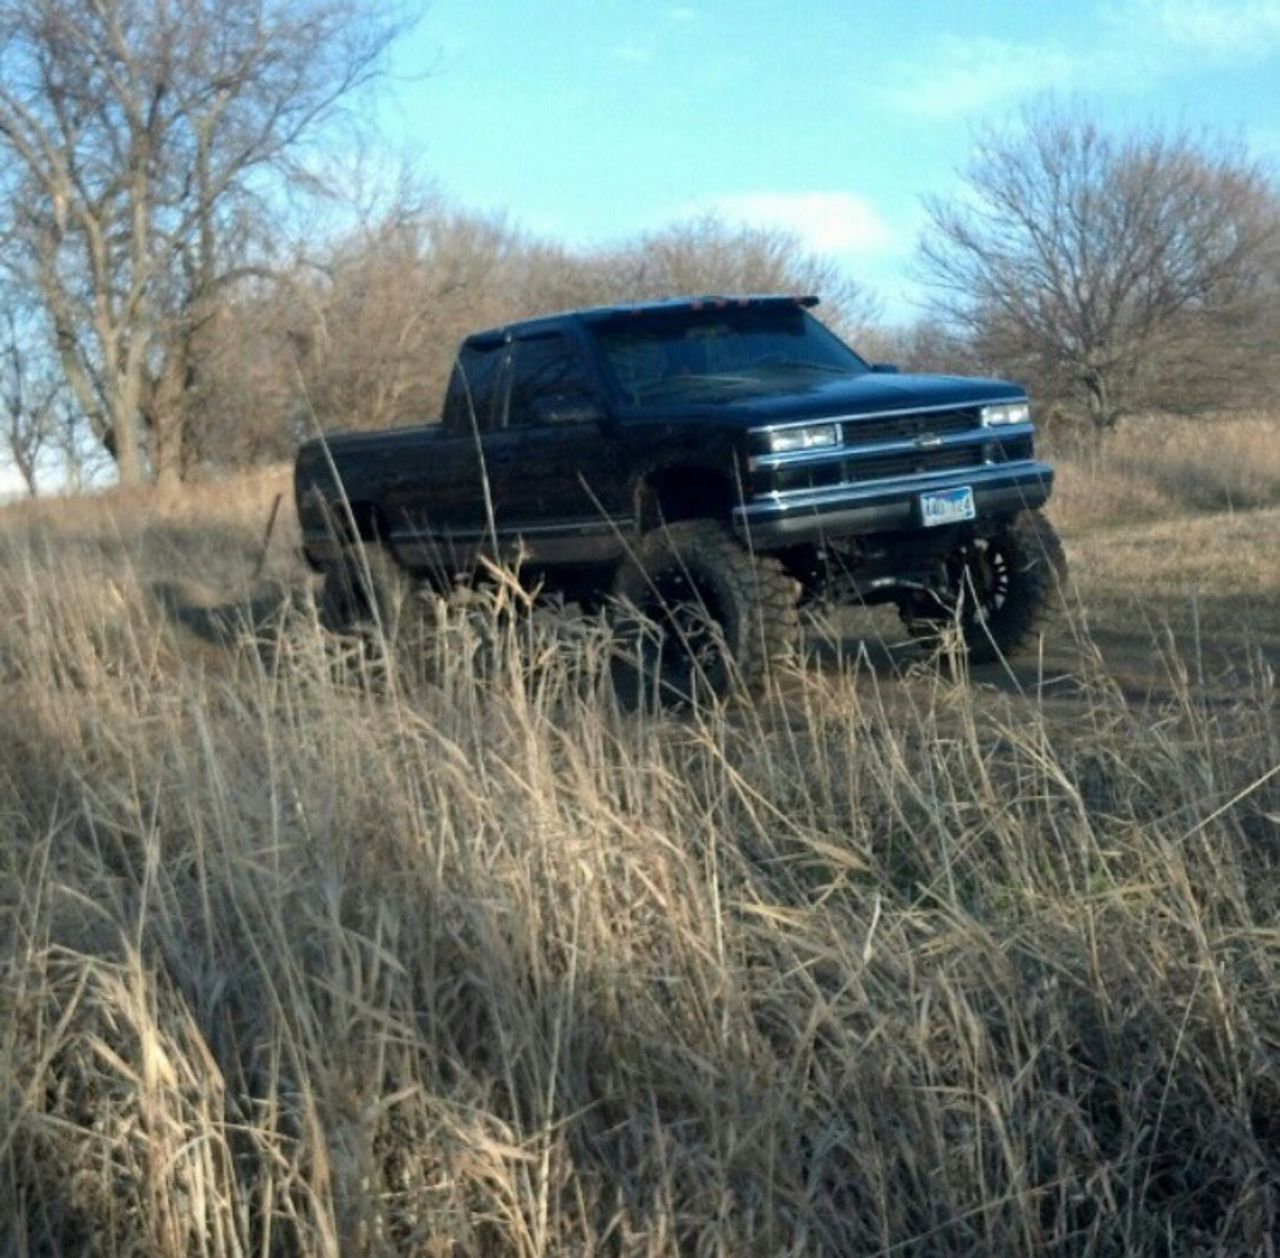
[(947, 506)]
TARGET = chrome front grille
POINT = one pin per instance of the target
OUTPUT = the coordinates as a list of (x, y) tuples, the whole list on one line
[(907, 427), (876, 467), (891, 447)]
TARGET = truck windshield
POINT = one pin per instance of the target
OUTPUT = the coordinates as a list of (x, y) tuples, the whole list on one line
[(719, 354)]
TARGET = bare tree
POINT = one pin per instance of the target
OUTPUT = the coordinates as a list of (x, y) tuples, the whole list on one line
[(374, 323), (31, 389), (1113, 273), (708, 254), (139, 137), (364, 332), (924, 345)]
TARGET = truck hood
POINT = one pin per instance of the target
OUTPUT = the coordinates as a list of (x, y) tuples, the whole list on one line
[(867, 394)]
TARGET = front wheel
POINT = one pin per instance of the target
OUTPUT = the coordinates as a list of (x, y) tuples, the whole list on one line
[(697, 612), (1003, 587)]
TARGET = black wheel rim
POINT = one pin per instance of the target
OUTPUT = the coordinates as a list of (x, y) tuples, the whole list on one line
[(989, 575), (981, 581)]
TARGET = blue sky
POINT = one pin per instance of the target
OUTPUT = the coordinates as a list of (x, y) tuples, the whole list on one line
[(589, 120), (592, 120)]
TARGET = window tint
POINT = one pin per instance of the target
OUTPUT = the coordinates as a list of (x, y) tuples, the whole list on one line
[(547, 375), (476, 383), (717, 355)]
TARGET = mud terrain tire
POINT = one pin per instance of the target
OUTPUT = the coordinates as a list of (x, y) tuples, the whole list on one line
[(712, 616), (1007, 585)]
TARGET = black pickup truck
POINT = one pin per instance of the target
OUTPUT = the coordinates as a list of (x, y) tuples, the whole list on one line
[(710, 462)]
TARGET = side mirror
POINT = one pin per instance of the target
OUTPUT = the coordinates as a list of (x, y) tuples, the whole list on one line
[(885, 369), (568, 410)]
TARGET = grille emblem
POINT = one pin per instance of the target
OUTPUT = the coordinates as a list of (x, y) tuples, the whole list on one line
[(928, 443)]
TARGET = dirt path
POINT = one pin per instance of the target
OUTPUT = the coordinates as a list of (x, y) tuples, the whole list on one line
[(1159, 609)]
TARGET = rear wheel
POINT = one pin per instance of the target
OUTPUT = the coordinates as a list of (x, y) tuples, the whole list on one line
[(698, 613), (364, 590), (1003, 588)]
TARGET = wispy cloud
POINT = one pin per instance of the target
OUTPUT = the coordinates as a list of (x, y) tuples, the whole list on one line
[(826, 222), (1248, 29), (1134, 45), (962, 75), (643, 50)]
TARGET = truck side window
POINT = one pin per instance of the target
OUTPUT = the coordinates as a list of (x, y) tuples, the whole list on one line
[(549, 383), (475, 388)]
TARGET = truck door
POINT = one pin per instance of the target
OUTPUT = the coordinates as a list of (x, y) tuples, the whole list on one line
[(454, 503), (566, 498)]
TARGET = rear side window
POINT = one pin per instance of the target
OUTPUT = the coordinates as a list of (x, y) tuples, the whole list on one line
[(548, 377), (475, 388)]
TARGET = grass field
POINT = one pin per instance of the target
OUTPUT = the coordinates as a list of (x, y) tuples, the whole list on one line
[(459, 960)]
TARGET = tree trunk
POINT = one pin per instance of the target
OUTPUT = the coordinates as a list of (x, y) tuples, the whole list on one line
[(165, 415), (27, 470), (166, 434), (124, 448)]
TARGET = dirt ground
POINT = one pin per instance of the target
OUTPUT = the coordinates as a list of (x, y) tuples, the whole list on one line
[(1160, 609)]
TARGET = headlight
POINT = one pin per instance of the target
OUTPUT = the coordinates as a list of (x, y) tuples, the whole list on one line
[(1006, 413), (814, 437)]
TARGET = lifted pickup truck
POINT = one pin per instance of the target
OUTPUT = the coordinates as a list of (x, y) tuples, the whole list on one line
[(712, 462)]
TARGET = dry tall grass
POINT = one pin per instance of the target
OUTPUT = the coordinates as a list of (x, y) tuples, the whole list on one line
[(458, 959), (1163, 467)]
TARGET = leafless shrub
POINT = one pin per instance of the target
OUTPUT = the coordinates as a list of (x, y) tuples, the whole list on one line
[(376, 324), (711, 255), (369, 329), (924, 345), (1113, 273)]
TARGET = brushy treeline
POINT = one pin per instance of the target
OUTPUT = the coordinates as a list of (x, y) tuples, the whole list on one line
[(364, 334), (304, 955)]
